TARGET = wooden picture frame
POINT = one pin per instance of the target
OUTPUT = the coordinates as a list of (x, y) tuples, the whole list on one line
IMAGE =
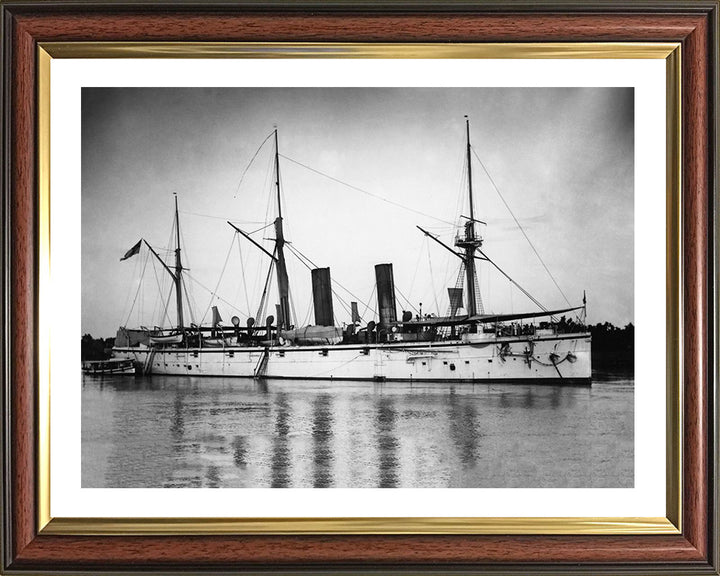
[(32, 544)]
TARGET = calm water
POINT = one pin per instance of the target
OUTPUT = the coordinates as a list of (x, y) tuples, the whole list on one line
[(168, 431)]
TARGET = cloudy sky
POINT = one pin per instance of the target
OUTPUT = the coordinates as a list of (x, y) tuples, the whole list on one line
[(562, 159)]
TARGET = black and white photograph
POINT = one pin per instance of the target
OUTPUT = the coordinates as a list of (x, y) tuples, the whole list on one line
[(357, 287)]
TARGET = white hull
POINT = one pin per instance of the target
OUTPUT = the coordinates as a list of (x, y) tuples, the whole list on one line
[(556, 358)]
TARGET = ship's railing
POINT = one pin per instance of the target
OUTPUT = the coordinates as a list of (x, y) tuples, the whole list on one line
[(510, 329)]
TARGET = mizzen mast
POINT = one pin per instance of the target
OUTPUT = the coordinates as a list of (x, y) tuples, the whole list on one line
[(470, 243), (283, 322)]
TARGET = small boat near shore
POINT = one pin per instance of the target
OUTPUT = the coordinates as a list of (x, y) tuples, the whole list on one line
[(112, 366)]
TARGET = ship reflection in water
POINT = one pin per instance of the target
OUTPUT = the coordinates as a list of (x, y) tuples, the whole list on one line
[(182, 432)]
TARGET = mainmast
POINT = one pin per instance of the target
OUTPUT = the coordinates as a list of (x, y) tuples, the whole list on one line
[(178, 270), (283, 323), (471, 242)]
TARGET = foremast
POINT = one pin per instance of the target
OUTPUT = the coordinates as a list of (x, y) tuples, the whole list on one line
[(283, 323), (178, 270)]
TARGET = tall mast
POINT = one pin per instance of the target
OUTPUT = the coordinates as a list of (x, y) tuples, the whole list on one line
[(178, 270), (471, 243), (282, 278), (469, 165)]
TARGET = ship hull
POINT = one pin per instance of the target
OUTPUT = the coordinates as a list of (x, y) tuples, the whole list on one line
[(562, 358)]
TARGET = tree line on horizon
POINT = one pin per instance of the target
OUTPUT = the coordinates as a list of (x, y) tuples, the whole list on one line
[(612, 346)]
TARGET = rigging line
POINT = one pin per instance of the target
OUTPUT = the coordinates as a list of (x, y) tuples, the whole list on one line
[(265, 302), (218, 217), (216, 295), (165, 309), (265, 289), (286, 224), (242, 270), (140, 283), (287, 233), (530, 296), (307, 314), (462, 190), (160, 289), (189, 293), (340, 298), (520, 227), (165, 314), (376, 196), (190, 308), (406, 300), (367, 305), (344, 306), (156, 319), (255, 262), (417, 265), (242, 176), (343, 303), (258, 230), (303, 259), (137, 264), (222, 272), (301, 255), (270, 171), (292, 305), (432, 278), (158, 295)]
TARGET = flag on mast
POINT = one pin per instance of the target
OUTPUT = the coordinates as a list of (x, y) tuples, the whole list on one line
[(134, 250)]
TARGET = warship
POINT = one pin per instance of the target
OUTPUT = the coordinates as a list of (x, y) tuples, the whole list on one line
[(464, 345)]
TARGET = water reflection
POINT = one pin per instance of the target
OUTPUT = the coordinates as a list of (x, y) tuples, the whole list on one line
[(216, 432), (281, 450), (213, 477), (177, 426), (387, 442), (240, 451), (322, 431), (463, 428)]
